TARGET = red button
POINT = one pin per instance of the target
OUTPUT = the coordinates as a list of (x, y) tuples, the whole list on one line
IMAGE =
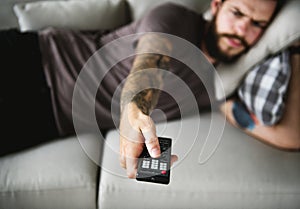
[(163, 172)]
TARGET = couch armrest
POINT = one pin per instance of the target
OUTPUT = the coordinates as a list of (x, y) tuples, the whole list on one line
[(53, 175)]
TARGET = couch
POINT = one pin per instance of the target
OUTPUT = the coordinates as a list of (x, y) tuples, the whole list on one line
[(219, 166)]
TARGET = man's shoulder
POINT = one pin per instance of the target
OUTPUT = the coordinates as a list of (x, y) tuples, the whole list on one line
[(172, 14)]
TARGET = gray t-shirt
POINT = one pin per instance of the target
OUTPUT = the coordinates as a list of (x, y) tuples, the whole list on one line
[(66, 52)]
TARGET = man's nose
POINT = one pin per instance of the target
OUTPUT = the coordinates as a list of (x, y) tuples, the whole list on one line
[(242, 27)]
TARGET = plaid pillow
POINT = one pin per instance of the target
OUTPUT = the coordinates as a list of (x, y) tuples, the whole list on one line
[(263, 90)]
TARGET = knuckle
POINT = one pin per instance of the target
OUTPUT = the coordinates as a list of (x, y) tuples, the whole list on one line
[(151, 141), (123, 165), (130, 174)]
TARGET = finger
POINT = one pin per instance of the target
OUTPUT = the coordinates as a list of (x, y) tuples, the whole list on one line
[(152, 145), (122, 158), (130, 151), (174, 158), (131, 167), (149, 132)]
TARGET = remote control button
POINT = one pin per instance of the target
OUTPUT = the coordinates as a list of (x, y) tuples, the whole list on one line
[(154, 164), (164, 172), (146, 164), (163, 166)]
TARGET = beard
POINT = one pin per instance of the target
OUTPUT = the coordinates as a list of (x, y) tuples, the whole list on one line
[(212, 39)]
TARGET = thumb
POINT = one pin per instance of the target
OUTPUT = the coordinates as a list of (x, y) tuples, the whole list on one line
[(151, 139)]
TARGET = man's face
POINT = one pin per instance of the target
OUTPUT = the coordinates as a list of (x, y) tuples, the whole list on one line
[(237, 25)]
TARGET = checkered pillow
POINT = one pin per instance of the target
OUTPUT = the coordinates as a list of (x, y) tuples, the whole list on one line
[(264, 88)]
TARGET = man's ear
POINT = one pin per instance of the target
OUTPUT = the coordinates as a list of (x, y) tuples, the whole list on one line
[(214, 6)]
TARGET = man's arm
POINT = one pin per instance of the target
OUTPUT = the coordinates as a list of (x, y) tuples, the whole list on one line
[(139, 97), (286, 133)]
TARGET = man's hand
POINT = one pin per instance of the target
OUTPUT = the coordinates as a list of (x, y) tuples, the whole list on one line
[(136, 128)]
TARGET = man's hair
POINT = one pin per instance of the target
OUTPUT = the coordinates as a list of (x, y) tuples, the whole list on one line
[(279, 5)]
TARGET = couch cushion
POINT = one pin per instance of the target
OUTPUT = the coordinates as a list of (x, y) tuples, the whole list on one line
[(84, 15), (54, 175), (241, 173), (139, 7), (7, 17)]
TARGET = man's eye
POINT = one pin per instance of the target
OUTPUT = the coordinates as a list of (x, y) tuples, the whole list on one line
[(237, 13), (258, 24)]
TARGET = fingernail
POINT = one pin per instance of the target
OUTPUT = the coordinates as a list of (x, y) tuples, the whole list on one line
[(155, 152)]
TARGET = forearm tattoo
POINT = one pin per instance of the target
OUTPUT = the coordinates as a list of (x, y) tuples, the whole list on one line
[(145, 79)]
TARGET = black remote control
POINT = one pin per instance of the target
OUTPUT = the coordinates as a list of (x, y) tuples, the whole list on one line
[(155, 170)]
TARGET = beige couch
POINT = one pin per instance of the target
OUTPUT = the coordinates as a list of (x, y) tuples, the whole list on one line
[(219, 166)]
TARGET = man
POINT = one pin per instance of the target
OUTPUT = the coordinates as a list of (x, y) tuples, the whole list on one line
[(237, 25), (48, 87)]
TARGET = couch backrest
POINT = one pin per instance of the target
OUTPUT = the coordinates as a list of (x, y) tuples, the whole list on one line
[(84, 14), (33, 14), (7, 17)]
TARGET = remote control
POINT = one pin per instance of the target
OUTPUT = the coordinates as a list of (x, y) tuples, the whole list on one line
[(155, 170)]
